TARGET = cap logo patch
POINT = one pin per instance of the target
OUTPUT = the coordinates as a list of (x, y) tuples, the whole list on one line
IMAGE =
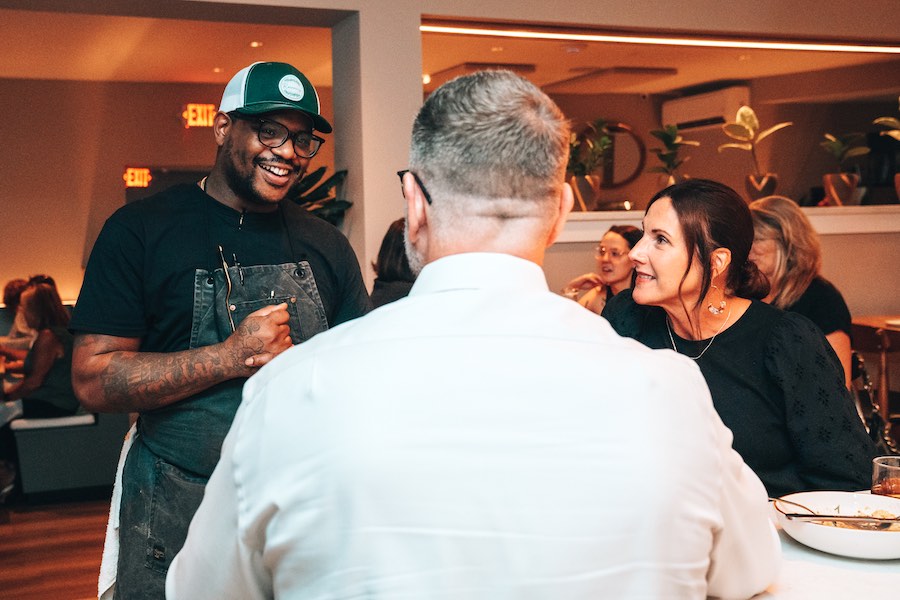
[(291, 88)]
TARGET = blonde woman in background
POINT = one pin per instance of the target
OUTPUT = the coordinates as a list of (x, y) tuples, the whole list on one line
[(614, 269), (786, 249)]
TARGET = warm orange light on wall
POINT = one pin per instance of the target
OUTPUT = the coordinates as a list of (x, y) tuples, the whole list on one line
[(198, 115), (137, 177)]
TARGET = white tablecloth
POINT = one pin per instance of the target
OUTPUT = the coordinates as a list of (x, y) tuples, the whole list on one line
[(809, 574)]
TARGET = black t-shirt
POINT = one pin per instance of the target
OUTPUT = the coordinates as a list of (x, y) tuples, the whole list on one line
[(140, 276), (778, 385), (824, 305)]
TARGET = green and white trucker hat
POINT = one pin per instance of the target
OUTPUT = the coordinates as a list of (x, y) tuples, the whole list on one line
[(268, 86)]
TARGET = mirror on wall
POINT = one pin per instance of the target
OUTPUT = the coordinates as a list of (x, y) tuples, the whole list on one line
[(820, 92)]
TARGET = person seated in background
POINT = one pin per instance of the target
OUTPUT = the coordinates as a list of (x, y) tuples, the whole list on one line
[(775, 380), (46, 388), (614, 270), (461, 458), (20, 335), (393, 277), (786, 249)]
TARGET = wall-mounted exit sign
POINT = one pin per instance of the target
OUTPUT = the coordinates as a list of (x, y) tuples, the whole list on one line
[(137, 177), (198, 115)]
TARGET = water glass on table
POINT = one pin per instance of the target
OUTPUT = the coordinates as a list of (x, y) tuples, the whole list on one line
[(886, 476)]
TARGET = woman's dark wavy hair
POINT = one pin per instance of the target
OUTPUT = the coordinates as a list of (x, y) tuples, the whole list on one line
[(392, 264), (46, 305), (631, 233), (712, 215)]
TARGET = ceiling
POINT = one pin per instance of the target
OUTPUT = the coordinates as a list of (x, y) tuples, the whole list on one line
[(70, 46)]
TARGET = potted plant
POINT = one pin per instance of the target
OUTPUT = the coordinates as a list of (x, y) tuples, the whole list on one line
[(893, 125), (840, 187), (588, 152), (745, 129), (668, 154), (322, 200)]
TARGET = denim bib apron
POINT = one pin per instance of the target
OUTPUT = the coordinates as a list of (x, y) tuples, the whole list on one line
[(177, 447)]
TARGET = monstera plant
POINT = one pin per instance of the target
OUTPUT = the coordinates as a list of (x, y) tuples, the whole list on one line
[(322, 200), (745, 129)]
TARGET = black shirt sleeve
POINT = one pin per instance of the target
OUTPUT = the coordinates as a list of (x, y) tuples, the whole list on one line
[(831, 445), (111, 301)]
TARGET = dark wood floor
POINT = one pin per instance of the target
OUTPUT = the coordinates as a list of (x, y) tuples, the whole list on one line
[(51, 550)]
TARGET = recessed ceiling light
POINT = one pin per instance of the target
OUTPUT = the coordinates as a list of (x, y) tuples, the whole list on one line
[(426, 79), (255, 44), (217, 70), (496, 48)]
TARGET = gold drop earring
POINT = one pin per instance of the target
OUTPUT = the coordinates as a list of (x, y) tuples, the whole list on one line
[(717, 310)]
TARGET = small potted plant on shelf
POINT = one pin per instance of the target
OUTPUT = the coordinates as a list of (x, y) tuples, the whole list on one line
[(841, 187), (668, 154), (588, 152), (893, 130), (745, 129)]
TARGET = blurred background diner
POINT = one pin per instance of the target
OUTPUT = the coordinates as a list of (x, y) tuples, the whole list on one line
[(393, 277), (613, 273), (786, 249), (45, 387)]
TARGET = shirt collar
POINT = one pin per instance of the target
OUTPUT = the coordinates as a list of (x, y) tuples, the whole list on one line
[(480, 270)]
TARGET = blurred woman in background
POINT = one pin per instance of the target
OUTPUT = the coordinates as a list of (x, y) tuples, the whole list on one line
[(393, 276), (774, 379), (614, 269), (786, 249), (46, 388)]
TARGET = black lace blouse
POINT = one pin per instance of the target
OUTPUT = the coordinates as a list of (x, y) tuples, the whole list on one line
[(777, 384)]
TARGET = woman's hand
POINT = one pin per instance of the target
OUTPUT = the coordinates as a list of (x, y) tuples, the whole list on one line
[(586, 281)]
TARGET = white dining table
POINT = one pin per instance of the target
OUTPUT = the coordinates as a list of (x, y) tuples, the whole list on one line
[(808, 574)]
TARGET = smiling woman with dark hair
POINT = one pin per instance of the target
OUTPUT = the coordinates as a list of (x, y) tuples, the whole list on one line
[(774, 379)]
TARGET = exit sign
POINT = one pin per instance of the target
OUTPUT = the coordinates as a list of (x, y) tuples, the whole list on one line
[(198, 115), (137, 177)]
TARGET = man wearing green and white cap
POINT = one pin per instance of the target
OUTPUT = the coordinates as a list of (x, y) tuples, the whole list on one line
[(188, 293)]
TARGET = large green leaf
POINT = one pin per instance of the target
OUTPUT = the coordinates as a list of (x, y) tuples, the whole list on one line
[(738, 131), (891, 122), (744, 146), (772, 130), (857, 151), (747, 118), (308, 181)]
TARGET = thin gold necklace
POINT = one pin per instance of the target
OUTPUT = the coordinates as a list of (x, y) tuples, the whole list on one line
[(702, 352)]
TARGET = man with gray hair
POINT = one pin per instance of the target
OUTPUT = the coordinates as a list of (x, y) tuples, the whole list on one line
[(445, 445)]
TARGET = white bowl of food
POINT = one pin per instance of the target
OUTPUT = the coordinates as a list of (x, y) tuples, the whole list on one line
[(855, 539)]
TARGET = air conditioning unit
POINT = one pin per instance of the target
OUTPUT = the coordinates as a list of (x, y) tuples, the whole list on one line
[(702, 111)]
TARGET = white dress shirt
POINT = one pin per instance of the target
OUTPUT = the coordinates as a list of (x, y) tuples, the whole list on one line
[(481, 438)]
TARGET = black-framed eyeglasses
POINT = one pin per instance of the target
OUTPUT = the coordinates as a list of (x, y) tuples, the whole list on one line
[(421, 185), (273, 135)]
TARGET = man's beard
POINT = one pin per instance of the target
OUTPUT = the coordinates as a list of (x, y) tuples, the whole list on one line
[(242, 184), (415, 258)]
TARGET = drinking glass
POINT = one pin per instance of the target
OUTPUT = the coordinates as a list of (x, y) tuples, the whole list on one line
[(886, 476)]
